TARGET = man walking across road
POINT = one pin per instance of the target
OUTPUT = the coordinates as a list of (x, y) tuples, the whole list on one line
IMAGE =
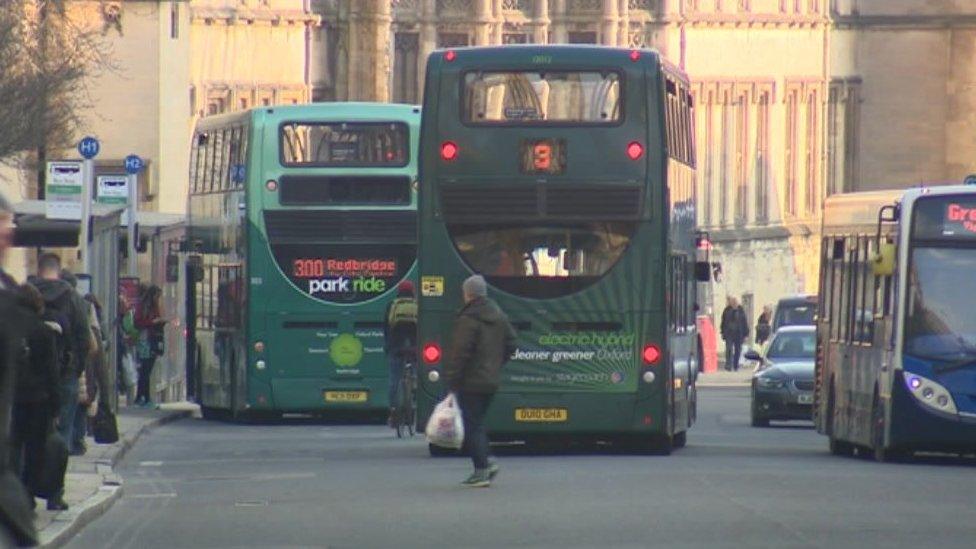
[(481, 343), (735, 329)]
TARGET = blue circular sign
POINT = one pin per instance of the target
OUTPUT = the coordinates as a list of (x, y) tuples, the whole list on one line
[(133, 164), (88, 147)]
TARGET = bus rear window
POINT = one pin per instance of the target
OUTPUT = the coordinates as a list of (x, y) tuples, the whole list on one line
[(542, 97), (346, 144)]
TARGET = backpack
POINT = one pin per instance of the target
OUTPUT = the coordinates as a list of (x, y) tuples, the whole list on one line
[(403, 311), (62, 341)]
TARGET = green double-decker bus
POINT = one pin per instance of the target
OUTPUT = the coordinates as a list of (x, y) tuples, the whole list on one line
[(565, 176), (302, 221)]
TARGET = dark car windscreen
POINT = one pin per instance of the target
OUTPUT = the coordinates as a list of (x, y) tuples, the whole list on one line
[(792, 345), (795, 314)]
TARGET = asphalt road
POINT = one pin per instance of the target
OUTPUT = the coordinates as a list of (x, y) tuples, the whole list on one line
[(201, 484)]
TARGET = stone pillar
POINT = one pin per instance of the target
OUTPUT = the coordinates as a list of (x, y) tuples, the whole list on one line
[(560, 35), (608, 36), (483, 22), (369, 51), (623, 25), (540, 26), (428, 40), (961, 100)]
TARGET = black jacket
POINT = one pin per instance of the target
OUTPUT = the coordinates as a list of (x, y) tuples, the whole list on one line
[(482, 341), (59, 296), (38, 372), (735, 326)]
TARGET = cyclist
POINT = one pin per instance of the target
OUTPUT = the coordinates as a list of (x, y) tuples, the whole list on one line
[(400, 337)]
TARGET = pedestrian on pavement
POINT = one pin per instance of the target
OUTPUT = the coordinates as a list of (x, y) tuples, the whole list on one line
[(70, 312), (399, 340), (86, 383), (481, 343), (764, 325), (735, 329), (97, 368), (149, 320), (38, 388), (16, 519)]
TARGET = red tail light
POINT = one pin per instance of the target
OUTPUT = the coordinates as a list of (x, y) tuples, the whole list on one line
[(450, 55), (634, 55), (651, 354), (449, 151), (635, 150), (432, 353)]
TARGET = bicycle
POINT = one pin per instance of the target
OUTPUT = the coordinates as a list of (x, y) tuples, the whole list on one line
[(406, 410)]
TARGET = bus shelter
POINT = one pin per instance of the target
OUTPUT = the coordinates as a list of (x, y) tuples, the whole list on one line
[(35, 230)]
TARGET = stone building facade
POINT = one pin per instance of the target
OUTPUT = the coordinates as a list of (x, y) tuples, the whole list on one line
[(760, 81)]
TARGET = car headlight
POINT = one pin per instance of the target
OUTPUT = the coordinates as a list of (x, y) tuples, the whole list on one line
[(930, 393), (770, 382)]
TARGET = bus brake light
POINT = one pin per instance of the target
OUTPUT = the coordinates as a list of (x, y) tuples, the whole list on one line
[(651, 354), (634, 55), (432, 353), (450, 55), (635, 150), (449, 151)]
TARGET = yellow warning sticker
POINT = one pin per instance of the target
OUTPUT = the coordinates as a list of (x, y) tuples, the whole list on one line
[(432, 286)]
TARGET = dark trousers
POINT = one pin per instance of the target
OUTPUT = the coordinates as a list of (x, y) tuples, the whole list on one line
[(80, 429), (69, 407), (474, 406), (29, 427), (733, 350), (145, 373)]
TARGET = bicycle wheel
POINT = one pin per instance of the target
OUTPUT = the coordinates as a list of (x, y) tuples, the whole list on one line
[(410, 408), (401, 409)]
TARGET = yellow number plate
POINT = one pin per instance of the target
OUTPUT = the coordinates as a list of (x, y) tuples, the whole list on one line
[(542, 415), (346, 396)]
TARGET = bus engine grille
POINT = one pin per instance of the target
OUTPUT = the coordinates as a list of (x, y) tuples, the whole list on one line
[(306, 226), (477, 204)]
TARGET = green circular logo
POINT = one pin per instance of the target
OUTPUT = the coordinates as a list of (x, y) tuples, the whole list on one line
[(346, 350)]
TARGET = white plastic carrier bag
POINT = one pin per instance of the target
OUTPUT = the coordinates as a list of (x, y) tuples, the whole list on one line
[(445, 427)]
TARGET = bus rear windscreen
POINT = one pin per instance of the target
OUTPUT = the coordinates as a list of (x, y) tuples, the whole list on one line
[(344, 144), (542, 97)]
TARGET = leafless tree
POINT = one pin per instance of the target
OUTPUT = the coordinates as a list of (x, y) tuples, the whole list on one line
[(46, 58)]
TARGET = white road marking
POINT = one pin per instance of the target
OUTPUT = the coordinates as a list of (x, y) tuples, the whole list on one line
[(153, 496), (150, 464)]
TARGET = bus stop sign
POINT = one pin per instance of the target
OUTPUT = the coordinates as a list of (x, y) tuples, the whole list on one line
[(88, 147), (133, 164)]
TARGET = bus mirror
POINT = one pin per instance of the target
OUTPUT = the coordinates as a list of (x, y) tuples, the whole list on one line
[(703, 271), (883, 262)]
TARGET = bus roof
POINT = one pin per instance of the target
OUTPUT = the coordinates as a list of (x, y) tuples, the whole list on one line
[(565, 54), (350, 110), (861, 209)]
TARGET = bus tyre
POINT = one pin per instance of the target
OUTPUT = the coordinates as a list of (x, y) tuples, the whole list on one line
[(679, 439), (440, 451), (837, 447), (882, 453)]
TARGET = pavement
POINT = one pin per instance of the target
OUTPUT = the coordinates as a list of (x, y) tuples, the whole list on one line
[(91, 485), (203, 484), (722, 378)]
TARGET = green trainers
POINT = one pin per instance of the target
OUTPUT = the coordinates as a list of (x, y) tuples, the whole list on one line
[(493, 469), (478, 479)]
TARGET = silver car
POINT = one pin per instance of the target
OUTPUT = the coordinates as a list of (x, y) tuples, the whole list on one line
[(782, 387)]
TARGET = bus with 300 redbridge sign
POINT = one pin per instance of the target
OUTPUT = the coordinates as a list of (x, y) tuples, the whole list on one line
[(302, 221), (565, 176)]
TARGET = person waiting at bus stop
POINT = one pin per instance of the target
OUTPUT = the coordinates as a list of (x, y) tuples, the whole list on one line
[(481, 343), (399, 339)]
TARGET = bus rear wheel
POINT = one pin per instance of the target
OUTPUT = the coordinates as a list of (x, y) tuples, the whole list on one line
[(440, 451), (679, 440), (837, 447)]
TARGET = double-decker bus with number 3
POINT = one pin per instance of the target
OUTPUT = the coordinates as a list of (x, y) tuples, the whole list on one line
[(565, 176)]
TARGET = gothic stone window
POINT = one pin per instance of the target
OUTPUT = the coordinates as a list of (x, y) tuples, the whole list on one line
[(452, 39), (406, 46)]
